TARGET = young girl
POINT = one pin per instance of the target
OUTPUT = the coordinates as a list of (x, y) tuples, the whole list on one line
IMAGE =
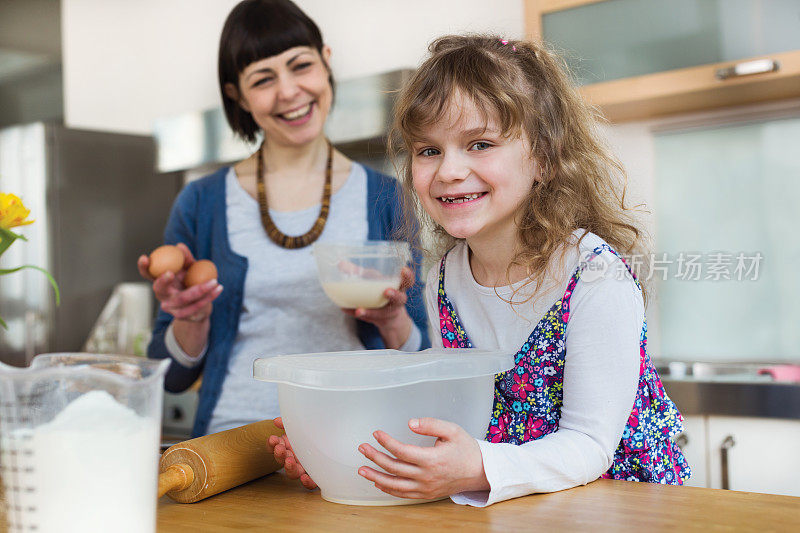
[(501, 155)]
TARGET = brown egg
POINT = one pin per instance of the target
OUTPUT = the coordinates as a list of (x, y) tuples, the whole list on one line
[(200, 272), (165, 258)]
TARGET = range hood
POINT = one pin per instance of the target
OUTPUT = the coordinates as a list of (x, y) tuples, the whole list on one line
[(357, 125), (31, 87)]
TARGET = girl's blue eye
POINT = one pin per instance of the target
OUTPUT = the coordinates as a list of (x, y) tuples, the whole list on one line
[(481, 145), (428, 152)]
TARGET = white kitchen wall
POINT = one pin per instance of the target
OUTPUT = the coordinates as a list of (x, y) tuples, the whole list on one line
[(127, 63)]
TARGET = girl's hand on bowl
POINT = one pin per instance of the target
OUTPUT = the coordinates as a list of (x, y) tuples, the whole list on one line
[(192, 304), (392, 320), (452, 465), (282, 450)]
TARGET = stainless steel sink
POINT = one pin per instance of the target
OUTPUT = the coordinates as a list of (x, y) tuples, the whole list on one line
[(729, 389), (747, 372)]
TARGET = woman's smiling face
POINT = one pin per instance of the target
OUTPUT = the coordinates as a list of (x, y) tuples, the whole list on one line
[(289, 95), (471, 177)]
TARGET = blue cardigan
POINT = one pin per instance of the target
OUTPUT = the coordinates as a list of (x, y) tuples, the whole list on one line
[(198, 219)]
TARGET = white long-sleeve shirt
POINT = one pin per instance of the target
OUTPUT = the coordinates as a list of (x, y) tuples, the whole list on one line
[(601, 368)]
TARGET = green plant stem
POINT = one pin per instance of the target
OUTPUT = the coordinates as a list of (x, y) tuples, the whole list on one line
[(43, 271), (7, 238)]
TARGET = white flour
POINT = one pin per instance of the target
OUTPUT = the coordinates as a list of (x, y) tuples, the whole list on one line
[(95, 468)]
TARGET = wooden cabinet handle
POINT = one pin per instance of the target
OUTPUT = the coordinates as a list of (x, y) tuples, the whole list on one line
[(681, 440), (727, 444)]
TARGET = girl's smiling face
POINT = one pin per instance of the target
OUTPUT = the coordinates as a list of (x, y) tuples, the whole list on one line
[(469, 176), (289, 95)]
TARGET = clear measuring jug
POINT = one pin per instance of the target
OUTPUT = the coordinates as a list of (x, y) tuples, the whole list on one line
[(79, 442)]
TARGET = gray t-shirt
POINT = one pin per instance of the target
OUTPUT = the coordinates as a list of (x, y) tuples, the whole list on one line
[(284, 309)]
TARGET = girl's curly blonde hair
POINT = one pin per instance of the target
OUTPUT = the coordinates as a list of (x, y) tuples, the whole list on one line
[(526, 87)]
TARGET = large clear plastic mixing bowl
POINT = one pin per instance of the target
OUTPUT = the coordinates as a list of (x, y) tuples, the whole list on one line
[(79, 442), (332, 402)]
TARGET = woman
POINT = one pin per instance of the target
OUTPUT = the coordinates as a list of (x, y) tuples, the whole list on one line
[(252, 220)]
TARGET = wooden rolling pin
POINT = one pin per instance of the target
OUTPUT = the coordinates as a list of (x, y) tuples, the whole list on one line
[(196, 469)]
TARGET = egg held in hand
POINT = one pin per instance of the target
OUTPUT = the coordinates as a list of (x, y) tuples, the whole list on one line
[(165, 258), (200, 272)]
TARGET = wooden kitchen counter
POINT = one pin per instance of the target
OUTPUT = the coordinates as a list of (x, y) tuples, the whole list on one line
[(276, 503)]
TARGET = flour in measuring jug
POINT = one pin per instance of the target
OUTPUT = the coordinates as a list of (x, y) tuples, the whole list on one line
[(94, 468)]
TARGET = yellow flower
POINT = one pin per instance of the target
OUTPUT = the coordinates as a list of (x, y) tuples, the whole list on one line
[(12, 211)]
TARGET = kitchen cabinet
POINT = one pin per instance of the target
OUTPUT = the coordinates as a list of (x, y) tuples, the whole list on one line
[(743, 453), (725, 192), (638, 59), (763, 455), (694, 446)]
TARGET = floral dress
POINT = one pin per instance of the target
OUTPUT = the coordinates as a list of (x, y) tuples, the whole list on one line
[(528, 398)]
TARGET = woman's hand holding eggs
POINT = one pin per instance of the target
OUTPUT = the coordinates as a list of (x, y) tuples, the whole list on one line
[(184, 287)]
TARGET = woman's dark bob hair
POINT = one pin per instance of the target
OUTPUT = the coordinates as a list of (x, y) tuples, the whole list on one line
[(254, 30)]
